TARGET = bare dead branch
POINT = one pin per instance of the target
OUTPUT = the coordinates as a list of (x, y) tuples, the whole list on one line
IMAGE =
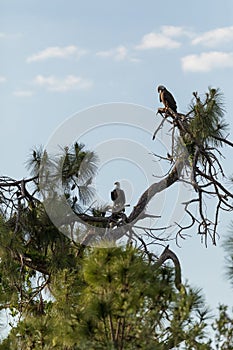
[(168, 254), (160, 125), (154, 189)]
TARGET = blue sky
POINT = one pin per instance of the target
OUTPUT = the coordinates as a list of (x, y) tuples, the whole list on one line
[(59, 57)]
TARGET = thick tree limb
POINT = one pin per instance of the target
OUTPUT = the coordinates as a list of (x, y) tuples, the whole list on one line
[(154, 189), (40, 267), (138, 211)]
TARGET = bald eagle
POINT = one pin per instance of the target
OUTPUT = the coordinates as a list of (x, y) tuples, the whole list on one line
[(166, 98), (118, 198)]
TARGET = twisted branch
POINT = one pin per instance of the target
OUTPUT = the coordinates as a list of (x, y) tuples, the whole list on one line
[(168, 254)]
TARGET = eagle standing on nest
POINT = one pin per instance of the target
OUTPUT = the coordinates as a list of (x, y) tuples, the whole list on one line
[(166, 98), (118, 198)]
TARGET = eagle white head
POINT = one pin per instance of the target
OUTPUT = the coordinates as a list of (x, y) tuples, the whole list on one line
[(117, 184)]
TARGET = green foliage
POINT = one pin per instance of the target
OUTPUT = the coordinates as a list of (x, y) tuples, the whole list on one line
[(66, 296), (35, 160), (228, 247), (78, 168), (206, 118), (204, 125), (75, 168), (113, 298), (223, 327)]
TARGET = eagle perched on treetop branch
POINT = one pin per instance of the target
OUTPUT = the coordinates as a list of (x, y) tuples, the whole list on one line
[(118, 198), (166, 98)]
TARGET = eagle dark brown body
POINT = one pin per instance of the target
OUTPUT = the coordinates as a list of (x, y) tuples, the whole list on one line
[(118, 198), (166, 98)]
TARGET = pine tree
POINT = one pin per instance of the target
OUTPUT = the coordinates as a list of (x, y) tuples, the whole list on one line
[(65, 295)]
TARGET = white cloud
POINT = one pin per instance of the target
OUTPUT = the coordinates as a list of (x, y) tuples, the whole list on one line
[(70, 82), (207, 61), (119, 53), (156, 41), (23, 93), (171, 31), (215, 37), (2, 35), (2, 79), (164, 38), (56, 52)]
